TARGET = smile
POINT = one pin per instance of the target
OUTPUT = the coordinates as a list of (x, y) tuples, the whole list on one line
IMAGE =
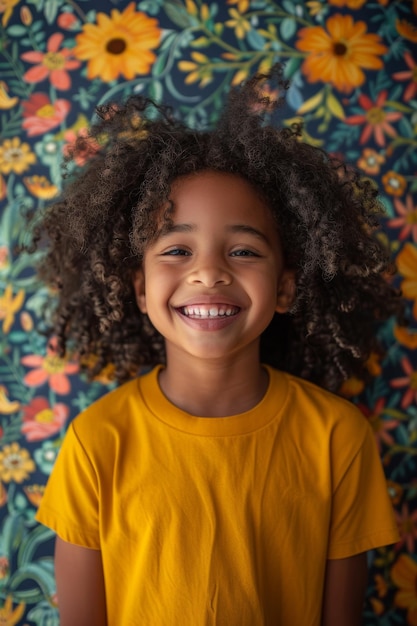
[(211, 311)]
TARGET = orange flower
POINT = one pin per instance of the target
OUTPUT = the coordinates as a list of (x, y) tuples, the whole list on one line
[(404, 575), (407, 267), (340, 54), (50, 368), (370, 161), (351, 4), (406, 30), (40, 187), (34, 493), (118, 45), (406, 337), (394, 183), (52, 64)]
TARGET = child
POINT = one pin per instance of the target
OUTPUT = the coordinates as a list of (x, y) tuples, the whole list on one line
[(228, 485)]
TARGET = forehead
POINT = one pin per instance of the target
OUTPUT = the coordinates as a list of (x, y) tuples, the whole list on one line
[(218, 195)]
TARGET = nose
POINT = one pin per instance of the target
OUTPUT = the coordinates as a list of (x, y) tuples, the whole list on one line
[(210, 273)]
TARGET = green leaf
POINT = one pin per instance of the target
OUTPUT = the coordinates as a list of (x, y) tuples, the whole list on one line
[(287, 28), (17, 30), (177, 14)]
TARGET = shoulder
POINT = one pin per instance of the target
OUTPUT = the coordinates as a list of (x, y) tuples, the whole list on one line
[(321, 414), (116, 409)]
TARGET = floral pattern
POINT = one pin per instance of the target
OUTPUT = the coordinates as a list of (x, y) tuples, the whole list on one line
[(353, 71)]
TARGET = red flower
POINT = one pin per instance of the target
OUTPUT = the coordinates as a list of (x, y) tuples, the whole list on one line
[(40, 420), (41, 114), (68, 21), (376, 120), (411, 75), (53, 64), (49, 368)]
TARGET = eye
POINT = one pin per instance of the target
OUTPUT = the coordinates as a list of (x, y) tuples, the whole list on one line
[(176, 252), (244, 252)]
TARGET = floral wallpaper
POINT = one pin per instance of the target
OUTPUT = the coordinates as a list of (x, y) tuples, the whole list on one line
[(353, 69)]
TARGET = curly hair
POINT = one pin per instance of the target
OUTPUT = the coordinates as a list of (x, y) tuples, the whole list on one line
[(326, 213)]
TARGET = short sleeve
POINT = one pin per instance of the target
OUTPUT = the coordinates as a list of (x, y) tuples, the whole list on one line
[(362, 516), (70, 505)]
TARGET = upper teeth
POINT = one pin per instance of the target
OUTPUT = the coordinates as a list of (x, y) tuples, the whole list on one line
[(209, 311)]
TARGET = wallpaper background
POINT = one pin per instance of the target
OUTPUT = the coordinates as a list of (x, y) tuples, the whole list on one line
[(353, 67)]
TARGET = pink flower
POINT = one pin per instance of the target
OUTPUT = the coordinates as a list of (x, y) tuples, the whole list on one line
[(41, 115), (85, 151), (409, 381), (380, 426), (376, 120), (408, 219), (411, 75), (50, 368), (41, 421), (53, 64)]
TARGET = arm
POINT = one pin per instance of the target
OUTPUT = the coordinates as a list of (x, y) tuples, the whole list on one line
[(344, 591), (80, 585)]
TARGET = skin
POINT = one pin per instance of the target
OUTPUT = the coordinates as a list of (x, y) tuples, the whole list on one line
[(224, 254)]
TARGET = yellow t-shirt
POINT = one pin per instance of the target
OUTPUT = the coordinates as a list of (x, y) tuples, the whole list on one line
[(219, 521)]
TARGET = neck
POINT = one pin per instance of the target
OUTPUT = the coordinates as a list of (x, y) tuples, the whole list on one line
[(214, 389)]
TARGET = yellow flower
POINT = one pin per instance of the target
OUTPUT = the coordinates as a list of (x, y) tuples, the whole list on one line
[(404, 575), (338, 54), (7, 407), (15, 156), (198, 68), (6, 7), (15, 464), (5, 101), (40, 187), (407, 267), (118, 45), (9, 617), (239, 23), (9, 306), (242, 5)]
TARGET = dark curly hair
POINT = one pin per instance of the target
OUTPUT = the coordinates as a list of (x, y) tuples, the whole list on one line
[(326, 213)]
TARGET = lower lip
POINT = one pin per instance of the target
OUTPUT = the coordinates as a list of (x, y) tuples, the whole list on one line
[(209, 323)]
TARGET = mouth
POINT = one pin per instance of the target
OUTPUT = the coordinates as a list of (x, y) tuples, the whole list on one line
[(209, 311)]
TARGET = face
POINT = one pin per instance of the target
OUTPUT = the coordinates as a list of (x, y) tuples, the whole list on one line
[(212, 281)]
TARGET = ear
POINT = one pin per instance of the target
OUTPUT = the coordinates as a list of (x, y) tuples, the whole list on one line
[(286, 291), (139, 289)]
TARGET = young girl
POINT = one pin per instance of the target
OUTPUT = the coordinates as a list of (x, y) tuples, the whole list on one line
[(227, 486)]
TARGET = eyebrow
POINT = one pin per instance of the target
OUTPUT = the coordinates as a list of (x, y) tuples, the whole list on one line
[(167, 229)]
